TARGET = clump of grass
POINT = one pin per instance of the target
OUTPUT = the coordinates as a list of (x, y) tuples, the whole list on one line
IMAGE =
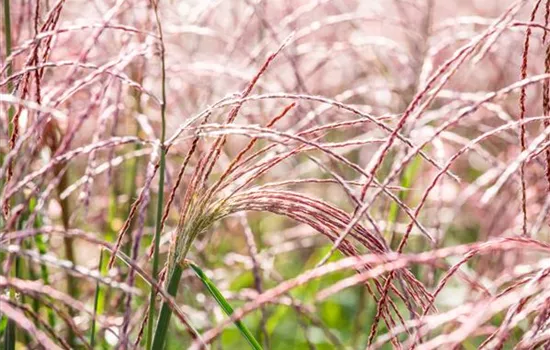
[(342, 174)]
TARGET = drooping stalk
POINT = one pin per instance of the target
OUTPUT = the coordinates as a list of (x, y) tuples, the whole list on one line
[(160, 200)]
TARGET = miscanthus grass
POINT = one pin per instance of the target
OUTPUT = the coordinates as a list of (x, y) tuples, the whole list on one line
[(267, 174)]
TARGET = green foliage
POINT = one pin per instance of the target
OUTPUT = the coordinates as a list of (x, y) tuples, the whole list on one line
[(224, 304)]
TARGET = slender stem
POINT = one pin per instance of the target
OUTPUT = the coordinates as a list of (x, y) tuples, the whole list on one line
[(160, 201), (9, 335), (166, 311), (9, 68), (68, 243), (156, 252), (44, 273), (99, 299), (43, 248), (406, 180), (131, 174), (7, 35)]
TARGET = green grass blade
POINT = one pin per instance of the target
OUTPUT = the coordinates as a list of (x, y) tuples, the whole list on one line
[(9, 335), (406, 182), (160, 201), (7, 37), (99, 298), (165, 311), (156, 249), (43, 248), (226, 307)]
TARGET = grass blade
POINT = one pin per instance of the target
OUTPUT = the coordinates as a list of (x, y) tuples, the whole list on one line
[(165, 311), (99, 298), (226, 307), (406, 182)]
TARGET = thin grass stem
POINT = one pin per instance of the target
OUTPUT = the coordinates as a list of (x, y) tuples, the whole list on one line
[(160, 200)]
